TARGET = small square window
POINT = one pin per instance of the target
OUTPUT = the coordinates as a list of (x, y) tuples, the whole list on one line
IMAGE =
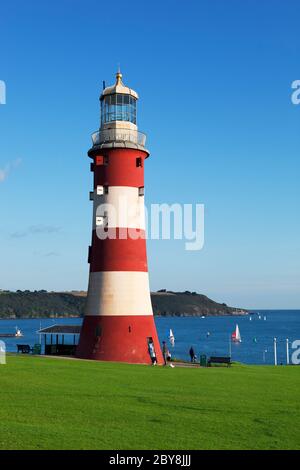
[(141, 191), (101, 221), (99, 160), (105, 189), (100, 190), (139, 162)]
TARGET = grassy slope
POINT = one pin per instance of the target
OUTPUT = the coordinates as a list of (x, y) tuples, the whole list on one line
[(64, 404)]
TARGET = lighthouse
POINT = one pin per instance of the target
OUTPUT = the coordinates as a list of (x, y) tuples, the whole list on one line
[(118, 324)]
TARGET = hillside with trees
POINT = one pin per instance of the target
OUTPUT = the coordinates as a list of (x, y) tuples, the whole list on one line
[(43, 304)]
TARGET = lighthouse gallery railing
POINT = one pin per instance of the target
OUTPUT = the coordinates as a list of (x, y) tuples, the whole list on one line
[(119, 135)]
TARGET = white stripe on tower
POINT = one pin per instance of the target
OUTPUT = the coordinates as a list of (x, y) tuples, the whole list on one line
[(119, 293), (123, 207)]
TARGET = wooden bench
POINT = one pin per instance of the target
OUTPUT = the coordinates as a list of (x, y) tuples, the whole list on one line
[(219, 360), (24, 348)]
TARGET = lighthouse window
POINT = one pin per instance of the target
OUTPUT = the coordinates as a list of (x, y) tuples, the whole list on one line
[(100, 190), (99, 160), (101, 221), (141, 191), (98, 331), (139, 162), (118, 107)]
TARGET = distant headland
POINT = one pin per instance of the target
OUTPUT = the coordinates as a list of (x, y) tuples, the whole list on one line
[(43, 304)]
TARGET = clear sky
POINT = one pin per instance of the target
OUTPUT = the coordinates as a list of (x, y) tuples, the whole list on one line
[(214, 79)]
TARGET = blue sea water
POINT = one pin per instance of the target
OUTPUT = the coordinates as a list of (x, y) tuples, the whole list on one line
[(257, 335)]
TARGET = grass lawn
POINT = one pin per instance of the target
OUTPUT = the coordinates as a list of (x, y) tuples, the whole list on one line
[(68, 404)]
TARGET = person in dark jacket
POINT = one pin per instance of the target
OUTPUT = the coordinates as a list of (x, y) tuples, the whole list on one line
[(165, 352), (192, 354)]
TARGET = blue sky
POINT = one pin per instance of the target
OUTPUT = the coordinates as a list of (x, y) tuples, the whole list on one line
[(214, 78)]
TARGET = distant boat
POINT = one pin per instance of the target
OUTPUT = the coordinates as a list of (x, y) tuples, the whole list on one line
[(172, 338), (208, 334), (203, 316), (236, 335), (17, 334), (265, 318), (250, 318)]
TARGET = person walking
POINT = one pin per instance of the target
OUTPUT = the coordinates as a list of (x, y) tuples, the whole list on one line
[(192, 354), (152, 353), (165, 352)]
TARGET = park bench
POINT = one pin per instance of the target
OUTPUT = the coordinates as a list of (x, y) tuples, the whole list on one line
[(219, 360), (24, 348)]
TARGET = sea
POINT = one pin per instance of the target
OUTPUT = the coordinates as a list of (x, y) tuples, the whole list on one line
[(208, 336)]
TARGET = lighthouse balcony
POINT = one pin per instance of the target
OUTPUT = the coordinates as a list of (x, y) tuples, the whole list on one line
[(122, 135)]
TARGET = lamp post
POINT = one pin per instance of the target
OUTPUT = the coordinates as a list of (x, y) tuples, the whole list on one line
[(264, 355), (287, 352), (275, 351)]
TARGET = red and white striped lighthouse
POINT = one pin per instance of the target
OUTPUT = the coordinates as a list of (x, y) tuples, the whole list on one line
[(118, 324)]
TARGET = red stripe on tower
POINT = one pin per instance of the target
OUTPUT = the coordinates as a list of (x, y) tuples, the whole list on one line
[(118, 324), (118, 254), (119, 167)]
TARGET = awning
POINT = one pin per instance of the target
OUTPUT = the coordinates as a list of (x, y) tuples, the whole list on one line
[(60, 330)]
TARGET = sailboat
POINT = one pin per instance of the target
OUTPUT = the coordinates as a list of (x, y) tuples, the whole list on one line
[(17, 334), (236, 335), (172, 338)]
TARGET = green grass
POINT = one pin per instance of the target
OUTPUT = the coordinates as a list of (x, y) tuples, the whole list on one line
[(65, 404)]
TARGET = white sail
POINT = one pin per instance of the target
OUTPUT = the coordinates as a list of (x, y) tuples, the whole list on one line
[(172, 338), (238, 334)]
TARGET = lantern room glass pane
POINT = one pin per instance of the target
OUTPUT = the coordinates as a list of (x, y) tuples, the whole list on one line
[(118, 107)]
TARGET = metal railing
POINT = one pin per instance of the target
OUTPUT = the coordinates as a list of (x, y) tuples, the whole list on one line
[(119, 135)]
